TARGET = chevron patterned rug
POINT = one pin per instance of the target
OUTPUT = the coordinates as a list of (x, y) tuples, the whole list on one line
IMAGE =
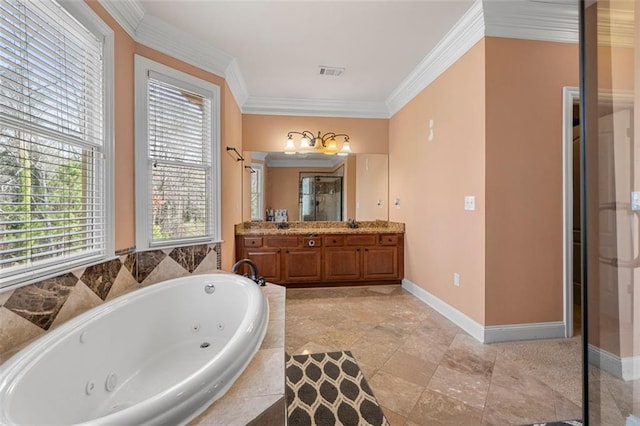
[(327, 389)]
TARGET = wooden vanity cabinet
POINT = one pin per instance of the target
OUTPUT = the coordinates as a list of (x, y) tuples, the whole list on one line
[(326, 259)]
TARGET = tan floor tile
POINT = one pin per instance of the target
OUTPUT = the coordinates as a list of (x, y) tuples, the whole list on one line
[(393, 392), (565, 409), (394, 418), (410, 368), (434, 408), (517, 398), (401, 344), (471, 389)]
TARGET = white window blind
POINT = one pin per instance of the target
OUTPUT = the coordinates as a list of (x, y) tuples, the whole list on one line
[(180, 163), (52, 148), (257, 196)]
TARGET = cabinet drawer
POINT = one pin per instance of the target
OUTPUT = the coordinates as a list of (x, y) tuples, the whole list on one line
[(361, 240), (311, 242), (281, 241), (253, 241), (334, 240), (388, 240)]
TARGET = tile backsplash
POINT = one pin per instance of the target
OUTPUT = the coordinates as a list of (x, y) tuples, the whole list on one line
[(27, 312)]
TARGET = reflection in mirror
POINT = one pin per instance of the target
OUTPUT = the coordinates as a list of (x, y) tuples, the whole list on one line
[(279, 184)]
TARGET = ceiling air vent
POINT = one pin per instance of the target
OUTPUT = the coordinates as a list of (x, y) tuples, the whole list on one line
[(332, 71)]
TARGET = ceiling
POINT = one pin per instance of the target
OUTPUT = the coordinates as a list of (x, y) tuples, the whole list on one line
[(280, 45), (270, 51)]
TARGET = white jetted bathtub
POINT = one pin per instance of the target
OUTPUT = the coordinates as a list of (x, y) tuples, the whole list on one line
[(157, 356)]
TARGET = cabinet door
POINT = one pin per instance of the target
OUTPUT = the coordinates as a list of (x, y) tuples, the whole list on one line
[(268, 263), (302, 265), (342, 263), (380, 263)]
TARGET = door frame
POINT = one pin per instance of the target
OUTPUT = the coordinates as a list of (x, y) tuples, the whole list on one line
[(570, 97)]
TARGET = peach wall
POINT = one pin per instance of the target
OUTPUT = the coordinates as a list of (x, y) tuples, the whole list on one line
[(431, 179), (350, 185), (269, 132), (524, 81), (231, 135), (124, 132), (372, 180), (233, 176), (281, 190)]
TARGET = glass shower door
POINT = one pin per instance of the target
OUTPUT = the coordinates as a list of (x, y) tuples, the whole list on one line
[(321, 198), (611, 185)]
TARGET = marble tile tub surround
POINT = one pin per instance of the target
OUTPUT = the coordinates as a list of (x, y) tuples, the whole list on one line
[(28, 312), (295, 228), (424, 370)]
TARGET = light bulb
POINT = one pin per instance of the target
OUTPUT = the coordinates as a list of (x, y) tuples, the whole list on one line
[(290, 147), (346, 148)]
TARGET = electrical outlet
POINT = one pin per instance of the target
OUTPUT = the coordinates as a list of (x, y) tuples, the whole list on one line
[(456, 279), (469, 202)]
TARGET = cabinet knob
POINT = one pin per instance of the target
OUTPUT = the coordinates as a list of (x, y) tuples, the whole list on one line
[(334, 241), (366, 249)]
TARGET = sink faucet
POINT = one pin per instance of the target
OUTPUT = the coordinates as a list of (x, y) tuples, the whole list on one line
[(254, 270)]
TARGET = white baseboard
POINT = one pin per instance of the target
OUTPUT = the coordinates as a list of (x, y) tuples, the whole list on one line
[(529, 331), (458, 318), (627, 368), (490, 334)]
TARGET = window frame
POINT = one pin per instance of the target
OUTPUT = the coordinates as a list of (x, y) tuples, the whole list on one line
[(54, 267), (143, 203), (259, 172)]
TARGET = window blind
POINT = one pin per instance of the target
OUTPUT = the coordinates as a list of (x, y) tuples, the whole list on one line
[(180, 162), (52, 156)]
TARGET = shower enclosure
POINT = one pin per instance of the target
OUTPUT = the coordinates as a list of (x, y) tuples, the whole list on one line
[(320, 198), (611, 212)]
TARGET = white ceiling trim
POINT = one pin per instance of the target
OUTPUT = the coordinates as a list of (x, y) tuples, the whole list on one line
[(464, 34), (161, 36), (532, 20), (236, 83), (314, 107), (127, 13), (330, 162), (547, 20)]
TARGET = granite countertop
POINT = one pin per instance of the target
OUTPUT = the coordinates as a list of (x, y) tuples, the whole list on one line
[(305, 228)]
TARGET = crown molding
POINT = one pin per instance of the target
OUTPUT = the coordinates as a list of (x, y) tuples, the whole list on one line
[(127, 13), (314, 107), (161, 36), (236, 83), (464, 34), (544, 20)]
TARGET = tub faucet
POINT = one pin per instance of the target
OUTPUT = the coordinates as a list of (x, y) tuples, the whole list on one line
[(254, 271)]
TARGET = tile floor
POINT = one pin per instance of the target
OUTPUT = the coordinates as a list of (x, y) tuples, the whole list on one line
[(424, 370)]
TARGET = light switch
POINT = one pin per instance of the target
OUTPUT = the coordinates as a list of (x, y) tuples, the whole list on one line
[(470, 202), (430, 130), (635, 201)]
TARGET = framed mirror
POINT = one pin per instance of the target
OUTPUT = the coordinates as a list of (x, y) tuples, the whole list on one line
[(315, 187)]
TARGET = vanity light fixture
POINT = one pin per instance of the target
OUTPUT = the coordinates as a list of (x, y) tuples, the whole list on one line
[(325, 144)]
